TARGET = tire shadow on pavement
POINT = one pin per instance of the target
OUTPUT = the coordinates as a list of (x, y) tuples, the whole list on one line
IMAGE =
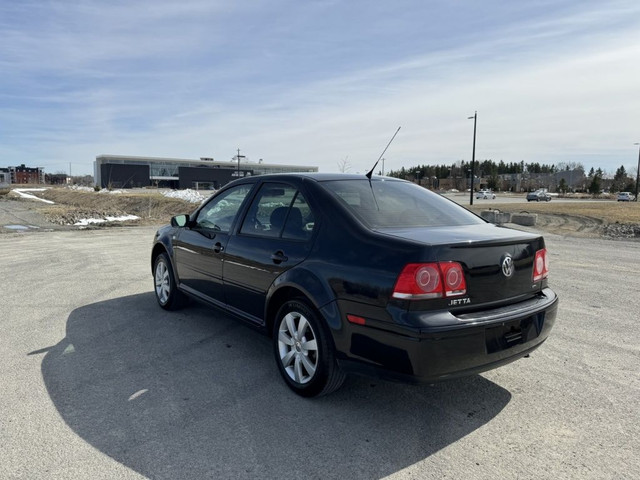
[(196, 394)]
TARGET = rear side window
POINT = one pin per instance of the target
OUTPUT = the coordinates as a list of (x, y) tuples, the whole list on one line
[(385, 203), (279, 210)]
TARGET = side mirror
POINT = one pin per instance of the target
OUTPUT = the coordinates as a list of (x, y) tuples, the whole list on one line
[(179, 220)]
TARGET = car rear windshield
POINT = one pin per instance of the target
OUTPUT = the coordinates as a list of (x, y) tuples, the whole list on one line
[(384, 203)]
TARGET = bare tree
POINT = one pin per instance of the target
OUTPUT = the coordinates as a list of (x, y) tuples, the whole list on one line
[(343, 165)]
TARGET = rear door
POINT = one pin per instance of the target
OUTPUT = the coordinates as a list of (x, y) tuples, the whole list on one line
[(276, 234)]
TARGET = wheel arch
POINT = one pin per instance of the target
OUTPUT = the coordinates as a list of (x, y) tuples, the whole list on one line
[(299, 283), (157, 249), (161, 246)]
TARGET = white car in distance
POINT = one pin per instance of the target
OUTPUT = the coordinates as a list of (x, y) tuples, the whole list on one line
[(485, 194)]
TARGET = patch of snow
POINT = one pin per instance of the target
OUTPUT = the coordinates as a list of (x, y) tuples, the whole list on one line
[(23, 192), (189, 195), (105, 190), (80, 188), (88, 221)]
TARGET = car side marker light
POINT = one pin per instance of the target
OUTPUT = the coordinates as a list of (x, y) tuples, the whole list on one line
[(356, 319)]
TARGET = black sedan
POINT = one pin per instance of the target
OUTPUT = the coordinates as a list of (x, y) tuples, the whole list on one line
[(356, 275)]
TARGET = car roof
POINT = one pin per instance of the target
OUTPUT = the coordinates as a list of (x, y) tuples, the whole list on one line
[(321, 177)]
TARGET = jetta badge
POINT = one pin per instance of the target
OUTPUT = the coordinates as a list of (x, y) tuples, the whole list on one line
[(507, 266)]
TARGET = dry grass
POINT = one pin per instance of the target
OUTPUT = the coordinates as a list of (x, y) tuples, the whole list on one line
[(72, 205), (602, 212)]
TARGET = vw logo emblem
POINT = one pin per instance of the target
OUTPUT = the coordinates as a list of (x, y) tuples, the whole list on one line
[(507, 266)]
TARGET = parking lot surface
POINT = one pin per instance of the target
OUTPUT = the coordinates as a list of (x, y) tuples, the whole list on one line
[(99, 382)]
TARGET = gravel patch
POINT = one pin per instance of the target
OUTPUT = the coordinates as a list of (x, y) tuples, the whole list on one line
[(622, 230)]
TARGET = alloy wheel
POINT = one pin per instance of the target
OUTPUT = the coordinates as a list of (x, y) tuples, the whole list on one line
[(163, 282), (298, 347)]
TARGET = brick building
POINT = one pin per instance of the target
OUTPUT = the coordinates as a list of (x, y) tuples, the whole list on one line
[(26, 175)]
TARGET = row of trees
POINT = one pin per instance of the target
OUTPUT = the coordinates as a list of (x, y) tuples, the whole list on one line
[(566, 176), (483, 168), (61, 178), (621, 182)]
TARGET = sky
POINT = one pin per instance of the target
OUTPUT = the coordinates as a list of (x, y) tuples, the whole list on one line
[(320, 82)]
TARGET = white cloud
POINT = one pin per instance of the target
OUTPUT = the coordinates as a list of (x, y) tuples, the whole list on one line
[(287, 83)]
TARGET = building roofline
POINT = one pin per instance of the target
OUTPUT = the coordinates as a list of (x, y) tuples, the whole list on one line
[(198, 161)]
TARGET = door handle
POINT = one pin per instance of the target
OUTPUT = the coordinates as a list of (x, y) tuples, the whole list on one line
[(279, 257), (217, 247)]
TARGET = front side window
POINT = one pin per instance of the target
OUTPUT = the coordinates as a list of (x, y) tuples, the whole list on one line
[(219, 213), (388, 203)]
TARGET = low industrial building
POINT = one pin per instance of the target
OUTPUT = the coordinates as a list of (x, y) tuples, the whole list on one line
[(121, 171)]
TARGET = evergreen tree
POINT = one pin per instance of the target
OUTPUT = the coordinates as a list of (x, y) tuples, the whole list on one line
[(619, 180), (594, 186), (562, 186)]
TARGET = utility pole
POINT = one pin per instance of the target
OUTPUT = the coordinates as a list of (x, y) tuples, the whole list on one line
[(638, 172), (239, 157), (473, 154)]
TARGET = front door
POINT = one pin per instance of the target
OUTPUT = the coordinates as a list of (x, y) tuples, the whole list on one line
[(200, 247)]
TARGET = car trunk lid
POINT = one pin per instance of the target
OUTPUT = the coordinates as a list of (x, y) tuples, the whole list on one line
[(497, 262)]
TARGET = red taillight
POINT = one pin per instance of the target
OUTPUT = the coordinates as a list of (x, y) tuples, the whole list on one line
[(418, 279), (430, 280), (454, 281), (540, 265)]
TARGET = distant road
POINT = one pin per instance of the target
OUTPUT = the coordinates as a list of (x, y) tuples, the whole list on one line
[(463, 199)]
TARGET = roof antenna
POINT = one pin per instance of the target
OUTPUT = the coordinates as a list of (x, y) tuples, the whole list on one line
[(385, 149)]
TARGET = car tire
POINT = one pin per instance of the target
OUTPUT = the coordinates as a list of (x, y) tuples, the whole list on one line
[(304, 351), (167, 293)]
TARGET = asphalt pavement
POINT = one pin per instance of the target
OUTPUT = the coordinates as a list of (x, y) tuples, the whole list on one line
[(99, 382)]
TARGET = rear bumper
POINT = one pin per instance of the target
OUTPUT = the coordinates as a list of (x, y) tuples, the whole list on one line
[(446, 346)]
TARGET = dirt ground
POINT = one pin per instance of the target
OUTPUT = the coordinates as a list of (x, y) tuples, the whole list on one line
[(584, 218)]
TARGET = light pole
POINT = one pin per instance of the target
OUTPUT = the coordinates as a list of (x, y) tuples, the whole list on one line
[(473, 154), (638, 172)]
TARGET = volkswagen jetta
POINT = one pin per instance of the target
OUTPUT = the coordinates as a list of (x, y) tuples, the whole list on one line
[(355, 275)]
